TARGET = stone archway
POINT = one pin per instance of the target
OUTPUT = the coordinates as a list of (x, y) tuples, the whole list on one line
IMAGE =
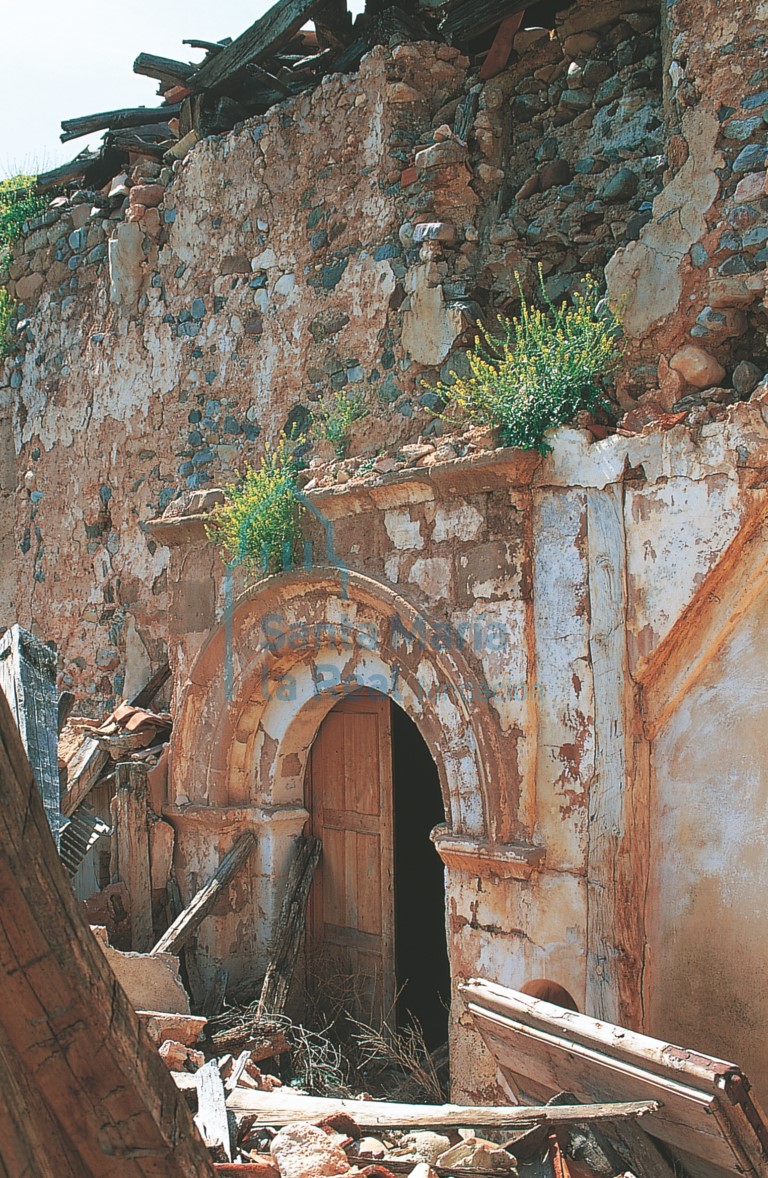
[(263, 683), (291, 647)]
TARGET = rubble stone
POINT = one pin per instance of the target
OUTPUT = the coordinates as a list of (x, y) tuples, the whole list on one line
[(698, 367), (746, 378), (304, 1151)]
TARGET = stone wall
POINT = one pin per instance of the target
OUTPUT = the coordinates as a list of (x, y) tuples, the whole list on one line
[(350, 240)]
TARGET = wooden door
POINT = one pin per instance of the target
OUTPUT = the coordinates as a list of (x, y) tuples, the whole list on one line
[(349, 797)]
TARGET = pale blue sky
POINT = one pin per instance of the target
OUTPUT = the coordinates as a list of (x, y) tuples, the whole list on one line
[(63, 58)]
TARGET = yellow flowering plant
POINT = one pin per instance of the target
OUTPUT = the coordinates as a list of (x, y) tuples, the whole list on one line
[(541, 368), (259, 522)]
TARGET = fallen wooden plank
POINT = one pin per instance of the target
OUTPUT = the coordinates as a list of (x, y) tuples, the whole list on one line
[(80, 1079), (211, 1118), (282, 1108), (187, 922), (270, 31), (131, 835), (117, 120), (28, 680), (290, 930)]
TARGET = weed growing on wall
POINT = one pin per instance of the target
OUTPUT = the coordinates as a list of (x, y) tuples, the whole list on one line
[(7, 311), (259, 522), (335, 418), (18, 203), (541, 369)]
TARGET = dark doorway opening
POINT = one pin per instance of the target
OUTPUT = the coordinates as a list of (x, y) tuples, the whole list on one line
[(421, 952)]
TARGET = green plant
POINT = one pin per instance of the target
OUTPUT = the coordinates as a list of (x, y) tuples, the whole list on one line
[(259, 522), (335, 418), (543, 367), (7, 310), (18, 203)]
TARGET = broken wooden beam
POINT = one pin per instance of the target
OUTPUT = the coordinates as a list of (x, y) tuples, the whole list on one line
[(188, 921), (65, 173), (131, 840), (163, 69), (28, 680), (470, 18), (498, 55), (270, 31), (212, 1119), (83, 1088), (285, 1108), (89, 761), (117, 120), (289, 931)]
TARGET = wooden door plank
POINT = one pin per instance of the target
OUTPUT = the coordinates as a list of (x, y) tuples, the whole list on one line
[(290, 928), (349, 795)]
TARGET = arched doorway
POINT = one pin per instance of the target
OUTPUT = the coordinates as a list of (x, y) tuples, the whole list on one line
[(377, 910)]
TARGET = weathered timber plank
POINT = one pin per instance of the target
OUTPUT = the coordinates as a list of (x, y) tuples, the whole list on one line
[(144, 697), (281, 1108), (212, 1119), (65, 173), (163, 69), (498, 54), (469, 18), (264, 36), (605, 832), (290, 929), (84, 770), (187, 922), (641, 1151), (117, 120), (131, 834), (28, 680), (95, 1089)]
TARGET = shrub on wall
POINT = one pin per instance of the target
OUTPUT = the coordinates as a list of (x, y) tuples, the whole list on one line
[(259, 522), (335, 418), (18, 203), (541, 369)]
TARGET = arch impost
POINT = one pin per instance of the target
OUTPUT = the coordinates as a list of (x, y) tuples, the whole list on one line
[(222, 819), (477, 856)]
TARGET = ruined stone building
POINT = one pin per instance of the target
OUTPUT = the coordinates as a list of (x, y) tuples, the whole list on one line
[(562, 769)]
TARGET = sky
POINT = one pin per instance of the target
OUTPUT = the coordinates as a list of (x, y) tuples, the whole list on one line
[(60, 60)]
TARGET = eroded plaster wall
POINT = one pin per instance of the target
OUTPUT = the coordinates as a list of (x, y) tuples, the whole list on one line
[(708, 838)]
